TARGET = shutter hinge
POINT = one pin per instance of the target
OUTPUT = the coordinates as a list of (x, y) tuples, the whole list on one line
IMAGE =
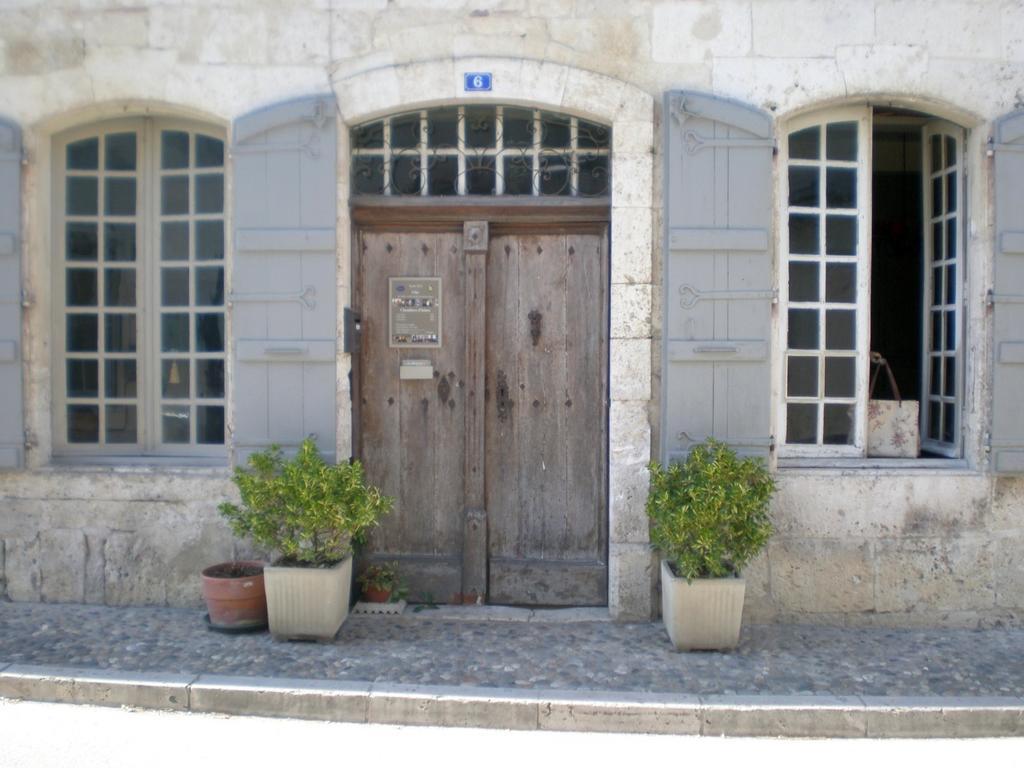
[(24, 155), (771, 443), (27, 298), (30, 439), (990, 298), (988, 442), (990, 147)]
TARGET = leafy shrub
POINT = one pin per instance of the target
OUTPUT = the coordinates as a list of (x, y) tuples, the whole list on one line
[(305, 509), (709, 516), (382, 576)]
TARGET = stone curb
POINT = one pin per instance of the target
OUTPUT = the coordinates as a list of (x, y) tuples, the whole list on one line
[(505, 708)]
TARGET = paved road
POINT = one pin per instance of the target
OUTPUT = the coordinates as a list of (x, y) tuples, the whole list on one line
[(40, 735)]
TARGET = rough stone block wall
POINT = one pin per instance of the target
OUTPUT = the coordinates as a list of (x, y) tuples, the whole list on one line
[(856, 546)]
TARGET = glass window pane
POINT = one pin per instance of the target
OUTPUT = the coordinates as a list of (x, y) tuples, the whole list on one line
[(936, 331), (119, 242), (443, 174), (593, 175), (174, 332), (948, 423), (806, 144), (803, 329), (80, 288), (119, 332), (82, 196), (801, 423), (841, 141), (803, 233), (803, 281), (81, 241), (82, 333), (555, 130), (121, 424), (518, 175), (841, 187), (209, 286), (950, 193), (210, 240), (936, 154), (803, 186), (209, 193), (83, 378), (950, 317), (480, 178), (951, 284), (174, 287), (405, 175), (174, 195), (517, 128), (119, 378), (935, 379), (443, 128), (951, 238), (120, 152), (209, 378), (480, 129), (174, 240), (369, 136), (841, 235), (950, 151), (210, 424), (937, 196), (175, 423), (592, 135), (937, 292), (405, 131), (840, 376), (802, 377), (841, 283), (838, 426), (173, 149), (209, 152), (120, 196), (119, 287), (935, 421), (83, 423), (210, 332), (949, 389), (554, 174), (368, 175), (840, 329), (937, 251), (174, 378), (83, 155)]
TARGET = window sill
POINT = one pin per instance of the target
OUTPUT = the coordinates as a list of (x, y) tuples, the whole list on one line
[(878, 466), (175, 465)]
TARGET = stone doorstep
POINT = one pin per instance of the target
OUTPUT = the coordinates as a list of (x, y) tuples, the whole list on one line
[(616, 712)]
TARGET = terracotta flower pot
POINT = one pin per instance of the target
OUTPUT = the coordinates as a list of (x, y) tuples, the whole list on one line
[(235, 595), (374, 595)]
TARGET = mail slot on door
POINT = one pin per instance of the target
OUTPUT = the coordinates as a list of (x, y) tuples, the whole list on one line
[(416, 369)]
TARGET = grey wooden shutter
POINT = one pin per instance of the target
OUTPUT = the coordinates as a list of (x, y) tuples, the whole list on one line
[(1007, 298), (718, 286), (283, 296), (12, 434)]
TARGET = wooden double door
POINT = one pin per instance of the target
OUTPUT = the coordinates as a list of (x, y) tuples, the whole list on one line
[(497, 457)]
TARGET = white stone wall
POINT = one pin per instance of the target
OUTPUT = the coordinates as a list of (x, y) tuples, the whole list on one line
[(858, 546)]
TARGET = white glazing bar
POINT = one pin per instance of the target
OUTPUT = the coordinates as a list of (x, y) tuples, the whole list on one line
[(536, 152), (387, 156), (499, 148), (460, 122), (574, 158), (424, 163)]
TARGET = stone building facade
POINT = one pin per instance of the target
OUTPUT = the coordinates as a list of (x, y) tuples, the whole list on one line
[(929, 541)]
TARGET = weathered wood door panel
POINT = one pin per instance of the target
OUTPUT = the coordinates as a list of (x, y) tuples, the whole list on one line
[(542, 417), (545, 422), (412, 435)]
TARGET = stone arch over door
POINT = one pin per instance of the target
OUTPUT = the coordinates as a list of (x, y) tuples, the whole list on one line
[(630, 112)]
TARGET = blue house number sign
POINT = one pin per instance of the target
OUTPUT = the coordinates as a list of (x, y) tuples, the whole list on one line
[(476, 81)]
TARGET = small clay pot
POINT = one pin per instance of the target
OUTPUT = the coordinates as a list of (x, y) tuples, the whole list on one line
[(235, 595), (373, 595)]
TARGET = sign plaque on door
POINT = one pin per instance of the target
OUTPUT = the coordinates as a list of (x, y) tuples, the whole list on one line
[(414, 312)]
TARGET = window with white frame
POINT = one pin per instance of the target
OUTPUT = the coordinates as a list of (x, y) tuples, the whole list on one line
[(139, 362), (872, 261)]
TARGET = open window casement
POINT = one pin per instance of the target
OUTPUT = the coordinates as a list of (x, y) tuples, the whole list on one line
[(284, 295), (12, 436), (717, 275), (1006, 298), (871, 260)]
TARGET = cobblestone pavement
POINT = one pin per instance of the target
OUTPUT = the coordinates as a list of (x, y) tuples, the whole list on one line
[(440, 648)]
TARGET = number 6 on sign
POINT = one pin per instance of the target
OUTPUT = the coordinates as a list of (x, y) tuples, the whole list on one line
[(476, 81)]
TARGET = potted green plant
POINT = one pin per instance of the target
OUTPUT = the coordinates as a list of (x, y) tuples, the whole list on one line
[(309, 513), (709, 518), (380, 583)]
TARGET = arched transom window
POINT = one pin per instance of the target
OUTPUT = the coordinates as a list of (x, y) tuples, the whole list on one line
[(481, 150)]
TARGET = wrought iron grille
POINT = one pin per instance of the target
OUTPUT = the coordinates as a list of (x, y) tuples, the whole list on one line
[(481, 150)]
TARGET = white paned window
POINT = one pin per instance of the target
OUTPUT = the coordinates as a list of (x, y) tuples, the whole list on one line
[(139, 286), (871, 263)]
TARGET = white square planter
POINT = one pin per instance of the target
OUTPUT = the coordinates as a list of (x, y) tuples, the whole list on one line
[(702, 615), (307, 603)]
